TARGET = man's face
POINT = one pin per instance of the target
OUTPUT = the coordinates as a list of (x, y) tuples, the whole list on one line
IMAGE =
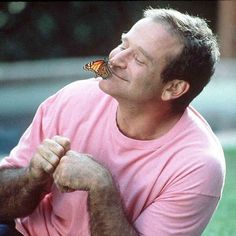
[(138, 62)]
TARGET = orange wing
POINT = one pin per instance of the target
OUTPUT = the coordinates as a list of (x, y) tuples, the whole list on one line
[(99, 67)]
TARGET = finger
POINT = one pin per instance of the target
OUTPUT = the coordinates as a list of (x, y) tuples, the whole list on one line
[(48, 155), (43, 164), (63, 141), (47, 167), (55, 147)]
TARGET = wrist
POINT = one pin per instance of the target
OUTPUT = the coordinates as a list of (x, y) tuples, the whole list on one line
[(103, 182), (36, 181)]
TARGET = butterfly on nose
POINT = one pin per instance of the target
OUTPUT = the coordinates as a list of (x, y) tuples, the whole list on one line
[(99, 67)]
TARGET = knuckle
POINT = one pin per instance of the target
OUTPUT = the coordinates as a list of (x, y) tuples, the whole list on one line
[(63, 141), (70, 153), (53, 159), (57, 138), (54, 147), (62, 162), (60, 150), (66, 141)]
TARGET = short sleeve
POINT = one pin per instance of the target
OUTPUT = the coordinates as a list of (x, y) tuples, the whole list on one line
[(21, 155), (177, 214), (52, 118)]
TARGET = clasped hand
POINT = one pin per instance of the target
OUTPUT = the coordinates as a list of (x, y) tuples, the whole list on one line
[(70, 170)]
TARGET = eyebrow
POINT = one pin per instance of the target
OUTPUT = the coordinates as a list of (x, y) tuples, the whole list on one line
[(124, 38)]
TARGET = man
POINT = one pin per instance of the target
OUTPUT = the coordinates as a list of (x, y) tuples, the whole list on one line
[(126, 155)]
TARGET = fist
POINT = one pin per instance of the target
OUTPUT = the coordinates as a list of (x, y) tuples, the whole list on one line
[(48, 156), (78, 171)]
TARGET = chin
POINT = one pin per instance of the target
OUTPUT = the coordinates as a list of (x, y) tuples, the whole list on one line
[(104, 86), (108, 87)]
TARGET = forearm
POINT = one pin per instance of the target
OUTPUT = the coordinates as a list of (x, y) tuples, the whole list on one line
[(78, 171), (107, 217), (18, 194)]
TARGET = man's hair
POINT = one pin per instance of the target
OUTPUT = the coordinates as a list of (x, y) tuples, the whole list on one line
[(196, 62)]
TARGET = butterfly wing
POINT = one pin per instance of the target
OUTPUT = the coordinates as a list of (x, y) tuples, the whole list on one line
[(99, 67), (103, 70), (93, 65)]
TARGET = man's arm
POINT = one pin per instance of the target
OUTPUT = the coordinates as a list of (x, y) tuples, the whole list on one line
[(80, 172), (19, 195), (107, 216), (22, 189)]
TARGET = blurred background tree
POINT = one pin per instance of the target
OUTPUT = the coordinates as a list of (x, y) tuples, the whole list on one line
[(41, 30)]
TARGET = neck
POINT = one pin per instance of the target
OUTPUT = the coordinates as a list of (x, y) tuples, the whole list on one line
[(145, 123)]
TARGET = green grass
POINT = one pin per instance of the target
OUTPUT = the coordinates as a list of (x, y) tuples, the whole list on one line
[(223, 222)]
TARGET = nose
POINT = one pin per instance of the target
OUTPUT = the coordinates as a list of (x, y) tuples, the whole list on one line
[(118, 59)]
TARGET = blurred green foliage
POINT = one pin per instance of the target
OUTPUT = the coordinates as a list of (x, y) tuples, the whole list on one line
[(223, 221), (36, 30)]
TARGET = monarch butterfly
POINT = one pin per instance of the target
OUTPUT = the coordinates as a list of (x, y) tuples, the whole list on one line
[(99, 67)]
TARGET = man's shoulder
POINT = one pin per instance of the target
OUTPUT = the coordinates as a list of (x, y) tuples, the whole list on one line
[(79, 91), (77, 95), (194, 138), (199, 127), (79, 87)]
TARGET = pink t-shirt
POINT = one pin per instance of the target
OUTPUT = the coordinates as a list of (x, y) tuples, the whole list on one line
[(169, 186)]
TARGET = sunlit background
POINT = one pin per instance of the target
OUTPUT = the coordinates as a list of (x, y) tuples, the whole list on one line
[(44, 45)]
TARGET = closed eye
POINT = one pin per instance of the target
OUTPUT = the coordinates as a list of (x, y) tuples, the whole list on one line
[(122, 47), (139, 61)]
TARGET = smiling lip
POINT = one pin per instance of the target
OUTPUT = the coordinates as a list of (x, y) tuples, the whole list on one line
[(113, 73)]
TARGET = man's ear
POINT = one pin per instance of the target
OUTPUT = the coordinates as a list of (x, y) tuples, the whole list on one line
[(174, 89)]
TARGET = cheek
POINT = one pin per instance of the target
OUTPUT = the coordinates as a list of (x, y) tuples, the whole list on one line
[(147, 82), (138, 72)]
